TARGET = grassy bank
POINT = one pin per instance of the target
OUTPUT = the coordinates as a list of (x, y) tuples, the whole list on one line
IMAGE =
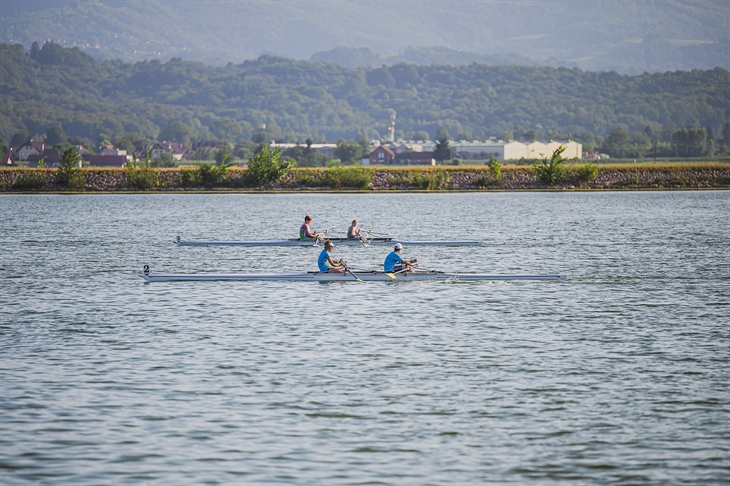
[(647, 175)]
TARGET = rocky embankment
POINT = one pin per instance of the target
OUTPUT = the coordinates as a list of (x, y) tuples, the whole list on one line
[(642, 176)]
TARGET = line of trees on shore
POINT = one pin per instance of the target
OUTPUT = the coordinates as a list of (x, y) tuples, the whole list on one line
[(66, 97)]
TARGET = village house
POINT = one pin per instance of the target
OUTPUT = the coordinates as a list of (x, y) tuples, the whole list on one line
[(380, 156), (176, 149), (51, 160), (32, 147), (111, 150), (8, 160), (110, 156), (108, 160), (415, 158)]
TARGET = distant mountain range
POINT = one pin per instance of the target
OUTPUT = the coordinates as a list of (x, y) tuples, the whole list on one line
[(627, 36)]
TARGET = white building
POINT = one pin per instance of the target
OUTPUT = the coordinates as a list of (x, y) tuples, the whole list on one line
[(539, 150), (514, 150)]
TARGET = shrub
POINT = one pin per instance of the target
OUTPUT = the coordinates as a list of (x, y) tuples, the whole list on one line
[(31, 182), (266, 167), (210, 175), (207, 175), (305, 178), (187, 178), (553, 170), (77, 181), (588, 172), (142, 177), (430, 181), (356, 177), (69, 173), (495, 170)]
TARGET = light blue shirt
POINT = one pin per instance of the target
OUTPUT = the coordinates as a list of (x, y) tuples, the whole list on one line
[(391, 260), (323, 261)]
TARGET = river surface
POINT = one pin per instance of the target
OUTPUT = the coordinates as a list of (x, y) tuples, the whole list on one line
[(618, 375)]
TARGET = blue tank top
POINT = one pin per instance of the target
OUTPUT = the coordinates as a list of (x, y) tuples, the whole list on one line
[(391, 260), (322, 261)]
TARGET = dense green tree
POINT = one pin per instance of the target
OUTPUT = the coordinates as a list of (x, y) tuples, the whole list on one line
[(164, 160), (245, 149), (177, 132), (364, 146), (34, 50), (348, 152), (227, 129), (442, 132), (69, 173), (690, 142), (649, 132), (442, 151), (617, 142), (421, 135), (19, 138), (726, 133), (55, 135)]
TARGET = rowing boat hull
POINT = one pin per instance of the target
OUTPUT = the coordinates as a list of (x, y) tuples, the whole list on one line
[(336, 241), (346, 277)]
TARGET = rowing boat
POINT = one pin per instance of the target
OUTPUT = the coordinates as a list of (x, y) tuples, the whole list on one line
[(355, 275), (336, 241)]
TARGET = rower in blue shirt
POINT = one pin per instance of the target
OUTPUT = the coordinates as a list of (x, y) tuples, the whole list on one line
[(325, 261), (395, 263)]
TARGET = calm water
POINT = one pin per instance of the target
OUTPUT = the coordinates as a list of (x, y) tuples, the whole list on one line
[(618, 375)]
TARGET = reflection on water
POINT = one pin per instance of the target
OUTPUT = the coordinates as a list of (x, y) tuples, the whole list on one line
[(618, 374)]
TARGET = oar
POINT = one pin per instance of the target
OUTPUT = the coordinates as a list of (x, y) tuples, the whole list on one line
[(347, 269)]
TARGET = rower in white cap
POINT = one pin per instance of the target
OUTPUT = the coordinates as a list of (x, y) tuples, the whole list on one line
[(395, 263), (325, 261)]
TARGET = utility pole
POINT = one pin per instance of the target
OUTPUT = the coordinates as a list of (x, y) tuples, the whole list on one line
[(391, 128)]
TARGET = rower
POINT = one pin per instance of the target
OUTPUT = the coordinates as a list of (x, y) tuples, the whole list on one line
[(325, 261), (353, 233), (305, 233), (395, 263)]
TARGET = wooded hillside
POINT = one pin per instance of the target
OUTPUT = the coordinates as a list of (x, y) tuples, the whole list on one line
[(295, 100)]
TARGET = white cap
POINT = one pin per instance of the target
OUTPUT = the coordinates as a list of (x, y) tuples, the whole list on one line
[(398, 246), (329, 243)]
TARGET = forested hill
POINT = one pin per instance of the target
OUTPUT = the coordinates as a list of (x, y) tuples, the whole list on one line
[(627, 36), (298, 99)]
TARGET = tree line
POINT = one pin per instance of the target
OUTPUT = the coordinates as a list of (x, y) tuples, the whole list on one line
[(65, 96)]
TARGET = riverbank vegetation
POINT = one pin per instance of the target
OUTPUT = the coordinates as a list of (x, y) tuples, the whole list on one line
[(576, 176)]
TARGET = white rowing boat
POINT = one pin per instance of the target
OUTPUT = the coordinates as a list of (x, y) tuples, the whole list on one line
[(336, 241), (351, 276)]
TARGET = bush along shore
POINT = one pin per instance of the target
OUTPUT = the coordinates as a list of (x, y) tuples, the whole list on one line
[(208, 177)]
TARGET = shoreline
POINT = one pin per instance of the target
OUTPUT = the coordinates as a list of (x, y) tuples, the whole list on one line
[(369, 180)]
